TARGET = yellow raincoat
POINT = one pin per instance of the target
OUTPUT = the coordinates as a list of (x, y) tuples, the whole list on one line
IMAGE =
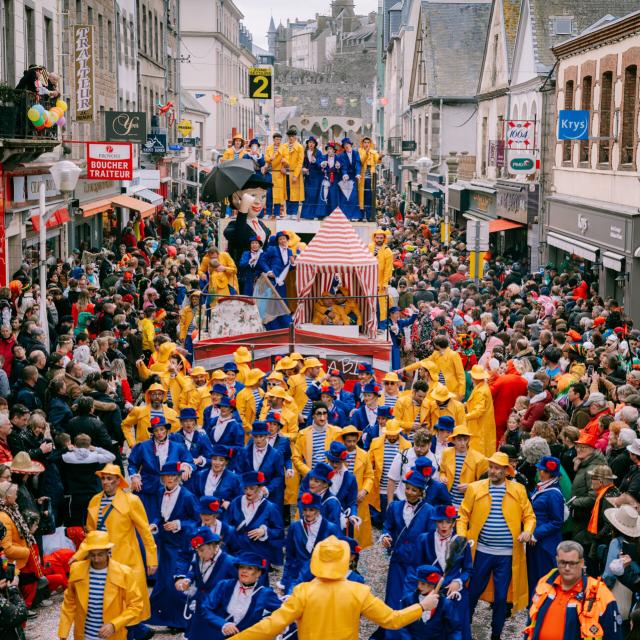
[(125, 519), (450, 365), (376, 456), (179, 223), (385, 270), (518, 513), (329, 607), (220, 281), (432, 412), (475, 464), (302, 450), (406, 411), (246, 406), (363, 471), (136, 425), (122, 605), (276, 157), (295, 156), (367, 159), (481, 421)]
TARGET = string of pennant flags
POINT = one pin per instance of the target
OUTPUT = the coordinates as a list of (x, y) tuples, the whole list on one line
[(323, 101)]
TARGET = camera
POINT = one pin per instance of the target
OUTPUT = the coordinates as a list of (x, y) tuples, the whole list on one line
[(7, 570)]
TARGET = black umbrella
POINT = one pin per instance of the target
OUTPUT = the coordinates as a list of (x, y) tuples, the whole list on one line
[(226, 179)]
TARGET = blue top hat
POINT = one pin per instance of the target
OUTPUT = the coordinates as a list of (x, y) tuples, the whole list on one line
[(372, 387), (415, 479), (337, 452), (226, 402), (312, 139), (337, 373), (221, 451), (253, 141), (255, 239), (445, 423), (322, 471), (188, 413), (219, 388), (251, 560), (429, 573), (313, 393), (364, 367), (259, 428), (310, 500), (385, 412), (274, 416), (424, 466), (211, 505), (550, 465), (444, 512), (230, 366), (345, 141), (171, 469), (253, 479), (327, 390), (204, 535), (281, 234), (394, 309), (157, 421)]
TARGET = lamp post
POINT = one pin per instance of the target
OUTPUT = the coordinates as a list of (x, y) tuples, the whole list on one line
[(65, 175)]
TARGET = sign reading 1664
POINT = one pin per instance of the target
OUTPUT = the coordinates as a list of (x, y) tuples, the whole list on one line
[(260, 84)]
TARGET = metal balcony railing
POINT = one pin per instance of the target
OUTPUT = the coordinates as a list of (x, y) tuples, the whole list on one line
[(14, 123)]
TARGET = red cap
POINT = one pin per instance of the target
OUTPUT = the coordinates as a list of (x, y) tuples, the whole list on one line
[(587, 439)]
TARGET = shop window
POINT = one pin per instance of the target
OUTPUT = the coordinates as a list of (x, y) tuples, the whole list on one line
[(587, 86), (629, 115), (606, 103), (568, 104)]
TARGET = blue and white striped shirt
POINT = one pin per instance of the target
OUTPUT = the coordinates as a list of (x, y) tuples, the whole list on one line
[(351, 460), (318, 454), (105, 503), (93, 621), (257, 398), (390, 451), (457, 496), (390, 401), (495, 537)]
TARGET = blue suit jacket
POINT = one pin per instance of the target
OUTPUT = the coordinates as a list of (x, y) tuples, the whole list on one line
[(425, 553), (331, 507), (232, 436), (200, 444), (351, 167), (404, 538), (214, 609), (229, 487), (347, 401), (267, 514), (283, 445), (445, 622), (297, 557), (274, 260), (247, 275), (206, 416), (223, 569), (186, 510), (144, 461), (437, 493), (272, 466), (548, 506)]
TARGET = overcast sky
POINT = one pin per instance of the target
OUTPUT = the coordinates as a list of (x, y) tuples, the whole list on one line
[(258, 12)]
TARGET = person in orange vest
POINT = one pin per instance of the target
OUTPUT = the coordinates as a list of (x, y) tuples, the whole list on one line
[(569, 605)]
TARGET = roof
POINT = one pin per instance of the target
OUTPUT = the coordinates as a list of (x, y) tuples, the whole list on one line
[(584, 14), (511, 17), (448, 72), (272, 26), (189, 103), (336, 244)]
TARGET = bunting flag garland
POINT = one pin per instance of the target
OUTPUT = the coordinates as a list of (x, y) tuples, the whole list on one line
[(340, 101), (324, 101), (384, 102), (369, 100), (233, 100), (353, 102), (217, 99), (200, 95), (278, 101)]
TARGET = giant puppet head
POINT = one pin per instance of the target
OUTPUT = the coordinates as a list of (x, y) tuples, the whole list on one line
[(252, 198)]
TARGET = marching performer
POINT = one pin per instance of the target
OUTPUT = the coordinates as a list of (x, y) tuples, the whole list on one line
[(313, 176), (350, 177), (294, 153), (275, 164), (329, 191), (369, 159)]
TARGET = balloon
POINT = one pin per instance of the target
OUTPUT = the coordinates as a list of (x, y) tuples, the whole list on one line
[(62, 105), (38, 122), (39, 127), (33, 114), (57, 111), (61, 121), (39, 108), (53, 116)]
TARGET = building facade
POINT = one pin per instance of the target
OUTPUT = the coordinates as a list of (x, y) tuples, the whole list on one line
[(592, 210)]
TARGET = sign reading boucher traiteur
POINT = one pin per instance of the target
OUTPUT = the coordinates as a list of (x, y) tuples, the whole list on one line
[(109, 161), (83, 72)]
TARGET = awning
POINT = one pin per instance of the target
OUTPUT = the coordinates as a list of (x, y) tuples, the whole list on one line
[(150, 196), (57, 218), (612, 260), (143, 208), (90, 209), (502, 225), (476, 216), (575, 247)]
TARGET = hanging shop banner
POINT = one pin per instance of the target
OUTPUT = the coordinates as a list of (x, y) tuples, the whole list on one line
[(520, 134), (84, 69), (125, 126), (573, 124), (260, 83), (109, 161)]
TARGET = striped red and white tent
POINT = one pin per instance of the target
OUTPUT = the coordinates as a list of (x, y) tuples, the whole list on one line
[(337, 250)]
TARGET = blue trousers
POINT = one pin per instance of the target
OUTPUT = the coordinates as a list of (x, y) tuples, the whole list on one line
[(486, 565), (377, 517)]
